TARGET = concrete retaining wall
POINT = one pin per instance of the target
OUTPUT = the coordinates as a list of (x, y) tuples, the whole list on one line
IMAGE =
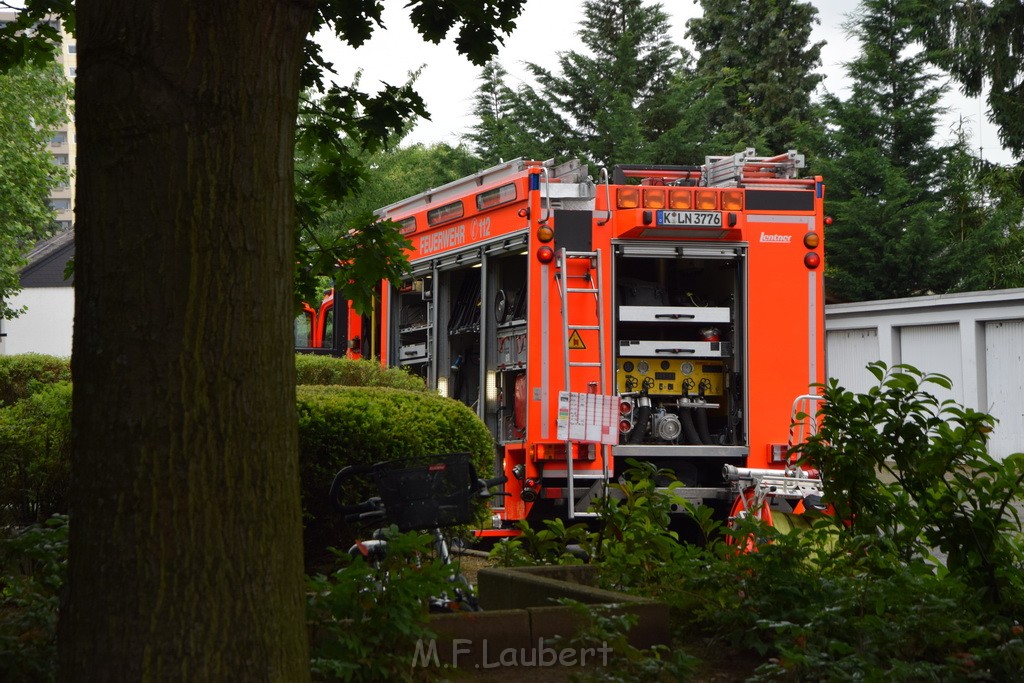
[(521, 617)]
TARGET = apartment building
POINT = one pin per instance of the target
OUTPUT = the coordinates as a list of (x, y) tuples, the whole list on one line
[(63, 142)]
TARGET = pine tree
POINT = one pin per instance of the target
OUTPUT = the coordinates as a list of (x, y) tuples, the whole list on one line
[(606, 105), (984, 234), (979, 42), (883, 173), (757, 62), (502, 133)]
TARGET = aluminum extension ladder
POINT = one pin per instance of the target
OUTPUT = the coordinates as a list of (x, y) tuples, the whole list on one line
[(590, 287)]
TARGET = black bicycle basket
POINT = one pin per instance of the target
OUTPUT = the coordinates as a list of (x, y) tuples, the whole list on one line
[(428, 491)]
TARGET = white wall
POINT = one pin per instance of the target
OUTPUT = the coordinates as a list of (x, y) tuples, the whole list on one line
[(45, 327), (976, 339)]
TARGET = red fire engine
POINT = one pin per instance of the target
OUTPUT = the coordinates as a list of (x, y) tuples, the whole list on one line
[(664, 313), (316, 332)]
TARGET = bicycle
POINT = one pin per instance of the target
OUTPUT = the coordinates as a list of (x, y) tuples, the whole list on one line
[(428, 493)]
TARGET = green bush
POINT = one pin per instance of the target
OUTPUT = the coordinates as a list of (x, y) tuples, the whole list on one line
[(338, 426), (942, 491), (864, 594), (341, 426), (23, 374), (33, 563), (35, 437), (320, 370), (366, 619), (35, 455)]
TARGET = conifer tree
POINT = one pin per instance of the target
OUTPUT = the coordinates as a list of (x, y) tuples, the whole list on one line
[(983, 231), (756, 61), (502, 132), (883, 173), (606, 105), (979, 42)]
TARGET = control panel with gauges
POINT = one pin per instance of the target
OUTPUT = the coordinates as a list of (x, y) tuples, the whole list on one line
[(664, 377)]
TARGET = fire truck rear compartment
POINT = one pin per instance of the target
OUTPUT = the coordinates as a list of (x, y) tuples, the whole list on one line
[(678, 327)]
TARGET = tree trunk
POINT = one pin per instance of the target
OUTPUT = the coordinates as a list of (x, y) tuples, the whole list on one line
[(186, 556)]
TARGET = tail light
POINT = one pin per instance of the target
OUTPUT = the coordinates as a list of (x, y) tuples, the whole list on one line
[(732, 200), (627, 198), (654, 199), (812, 259), (707, 200), (680, 199)]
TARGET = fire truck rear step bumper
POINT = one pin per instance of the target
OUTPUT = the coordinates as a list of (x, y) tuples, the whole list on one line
[(576, 474), (657, 451)]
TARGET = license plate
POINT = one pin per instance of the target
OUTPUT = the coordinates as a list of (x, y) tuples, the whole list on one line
[(691, 219)]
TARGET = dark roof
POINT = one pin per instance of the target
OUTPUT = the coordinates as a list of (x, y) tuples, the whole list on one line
[(47, 261)]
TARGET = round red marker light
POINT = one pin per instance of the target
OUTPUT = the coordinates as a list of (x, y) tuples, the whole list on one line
[(812, 260), (545, 254)]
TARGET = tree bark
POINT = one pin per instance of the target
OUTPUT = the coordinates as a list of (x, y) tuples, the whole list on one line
[(185, 555)]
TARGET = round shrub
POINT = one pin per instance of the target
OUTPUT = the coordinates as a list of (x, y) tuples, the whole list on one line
[(323, 370), (341, 426)]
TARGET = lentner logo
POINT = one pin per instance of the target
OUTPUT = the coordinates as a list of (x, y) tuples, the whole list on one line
[(779, 239)]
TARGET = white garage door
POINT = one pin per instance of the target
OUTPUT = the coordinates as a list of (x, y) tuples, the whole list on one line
[(1004, 377), (848, 354), (935, 349)]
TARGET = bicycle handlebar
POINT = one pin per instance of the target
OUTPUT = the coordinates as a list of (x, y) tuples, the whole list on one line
[(378, 513), (340, 478), (484, 486)]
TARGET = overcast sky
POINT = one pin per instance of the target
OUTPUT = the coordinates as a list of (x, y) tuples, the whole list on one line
[(547, 27)]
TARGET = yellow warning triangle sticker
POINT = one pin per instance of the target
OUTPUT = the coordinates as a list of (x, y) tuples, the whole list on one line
[(576, 341)]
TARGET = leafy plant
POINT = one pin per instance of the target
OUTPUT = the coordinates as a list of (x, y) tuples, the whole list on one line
[(550, 545), (602, 629), (634, 543), (942, 490), (861, 595), (509, 552), (33, 561), (367, 617), (23, 374), (35, 454)]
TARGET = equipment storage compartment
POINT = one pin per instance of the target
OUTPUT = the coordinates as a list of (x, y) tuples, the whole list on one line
[(678, 333), (508, 351), (673, 314), (415, 324)]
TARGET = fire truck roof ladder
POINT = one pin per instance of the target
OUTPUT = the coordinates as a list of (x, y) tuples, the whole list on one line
[(591, 287), (745, 169)]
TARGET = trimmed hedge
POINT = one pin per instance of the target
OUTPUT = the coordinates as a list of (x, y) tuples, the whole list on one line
[(387, 414), (23, 374), (341, 426), (322, 370)]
